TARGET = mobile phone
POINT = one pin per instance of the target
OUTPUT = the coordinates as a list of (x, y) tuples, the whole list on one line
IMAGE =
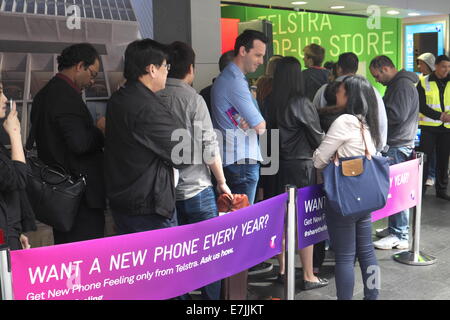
[(235, 118), (8, 110)]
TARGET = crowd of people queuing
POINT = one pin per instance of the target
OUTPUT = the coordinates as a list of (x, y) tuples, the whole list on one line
[(130, 165)]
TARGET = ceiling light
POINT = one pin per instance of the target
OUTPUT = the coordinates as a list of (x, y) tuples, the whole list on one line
[(337, 7), (393, 12), (413, 14), (299, 3)]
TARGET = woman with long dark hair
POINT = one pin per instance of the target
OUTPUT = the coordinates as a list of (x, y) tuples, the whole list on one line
[(288, 109), (13, 179), (351, 236)]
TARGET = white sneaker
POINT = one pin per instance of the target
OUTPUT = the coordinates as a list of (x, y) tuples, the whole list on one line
[(387, 243), (403, 245), (382, 233), (429, 182)]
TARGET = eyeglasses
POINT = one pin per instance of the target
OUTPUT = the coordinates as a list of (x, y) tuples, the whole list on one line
[(167, 65), (93, 74)]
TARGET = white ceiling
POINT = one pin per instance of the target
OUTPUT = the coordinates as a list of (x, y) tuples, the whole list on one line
[(424, 7)]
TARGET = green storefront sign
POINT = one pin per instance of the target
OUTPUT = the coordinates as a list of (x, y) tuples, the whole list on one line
[(292, 31)]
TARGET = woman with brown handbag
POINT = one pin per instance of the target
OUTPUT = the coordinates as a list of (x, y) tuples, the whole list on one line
[(351, 134)]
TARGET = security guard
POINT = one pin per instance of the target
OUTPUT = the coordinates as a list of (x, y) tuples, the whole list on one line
[(425, 64), (434, 121)]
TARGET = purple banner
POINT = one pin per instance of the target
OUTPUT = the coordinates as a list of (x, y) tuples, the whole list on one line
[(159, 264), (311, 207), (404, 189)]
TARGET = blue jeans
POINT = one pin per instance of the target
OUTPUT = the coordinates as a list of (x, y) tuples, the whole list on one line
[(399, 222), (351, 237), (242, 179), (199, 208)]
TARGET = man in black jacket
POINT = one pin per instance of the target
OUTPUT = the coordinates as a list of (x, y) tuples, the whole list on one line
[(138, 146), (66, 136)]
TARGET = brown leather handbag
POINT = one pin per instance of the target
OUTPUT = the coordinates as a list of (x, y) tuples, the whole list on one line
[(226, 204), (234, 287)]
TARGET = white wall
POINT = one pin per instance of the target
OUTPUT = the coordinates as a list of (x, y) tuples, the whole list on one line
[(196, 22), (206, 40)]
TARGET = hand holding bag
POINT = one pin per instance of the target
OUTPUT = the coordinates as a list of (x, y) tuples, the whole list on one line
[(227, 204), (357, 185), (234, 287)]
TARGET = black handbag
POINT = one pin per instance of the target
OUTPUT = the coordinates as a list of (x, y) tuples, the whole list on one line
[(54, 195)]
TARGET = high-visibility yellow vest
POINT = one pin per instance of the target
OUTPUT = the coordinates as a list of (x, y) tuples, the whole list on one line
[(433, 101)]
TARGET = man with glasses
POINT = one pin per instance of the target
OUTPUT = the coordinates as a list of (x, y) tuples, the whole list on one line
[(138, 146), (66, 136)]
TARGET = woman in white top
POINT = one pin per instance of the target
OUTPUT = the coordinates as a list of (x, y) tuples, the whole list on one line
[(351, 236)]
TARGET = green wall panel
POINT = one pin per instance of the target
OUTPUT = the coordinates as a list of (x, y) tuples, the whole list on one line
[(292, 31)]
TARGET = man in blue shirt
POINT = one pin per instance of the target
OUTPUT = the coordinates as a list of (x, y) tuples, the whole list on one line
[(236, 115)]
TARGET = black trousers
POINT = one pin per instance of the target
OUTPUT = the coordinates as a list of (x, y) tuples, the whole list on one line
[(441, 140), (89, 224), (301, 173)]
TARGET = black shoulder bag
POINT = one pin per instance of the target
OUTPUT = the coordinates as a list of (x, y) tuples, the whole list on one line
[(54, 195)]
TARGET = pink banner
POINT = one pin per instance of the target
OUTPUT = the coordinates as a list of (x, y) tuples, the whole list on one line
[(311, 209), (404, 190), (165, 263), (159, 264)]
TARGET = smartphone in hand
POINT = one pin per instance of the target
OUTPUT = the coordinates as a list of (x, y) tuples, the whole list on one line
[(8, 109)]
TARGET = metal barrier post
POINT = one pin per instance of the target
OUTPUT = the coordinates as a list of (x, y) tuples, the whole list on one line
[(290, 228), (5, 274), (416, 257)]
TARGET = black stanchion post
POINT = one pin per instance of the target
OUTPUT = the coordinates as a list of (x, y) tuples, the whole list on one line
[(290, 227), (5, 270), (416, 257)]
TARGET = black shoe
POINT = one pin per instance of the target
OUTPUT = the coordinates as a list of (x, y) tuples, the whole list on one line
[(263, 267), (281, 279), (443, 195), (308, 285)]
